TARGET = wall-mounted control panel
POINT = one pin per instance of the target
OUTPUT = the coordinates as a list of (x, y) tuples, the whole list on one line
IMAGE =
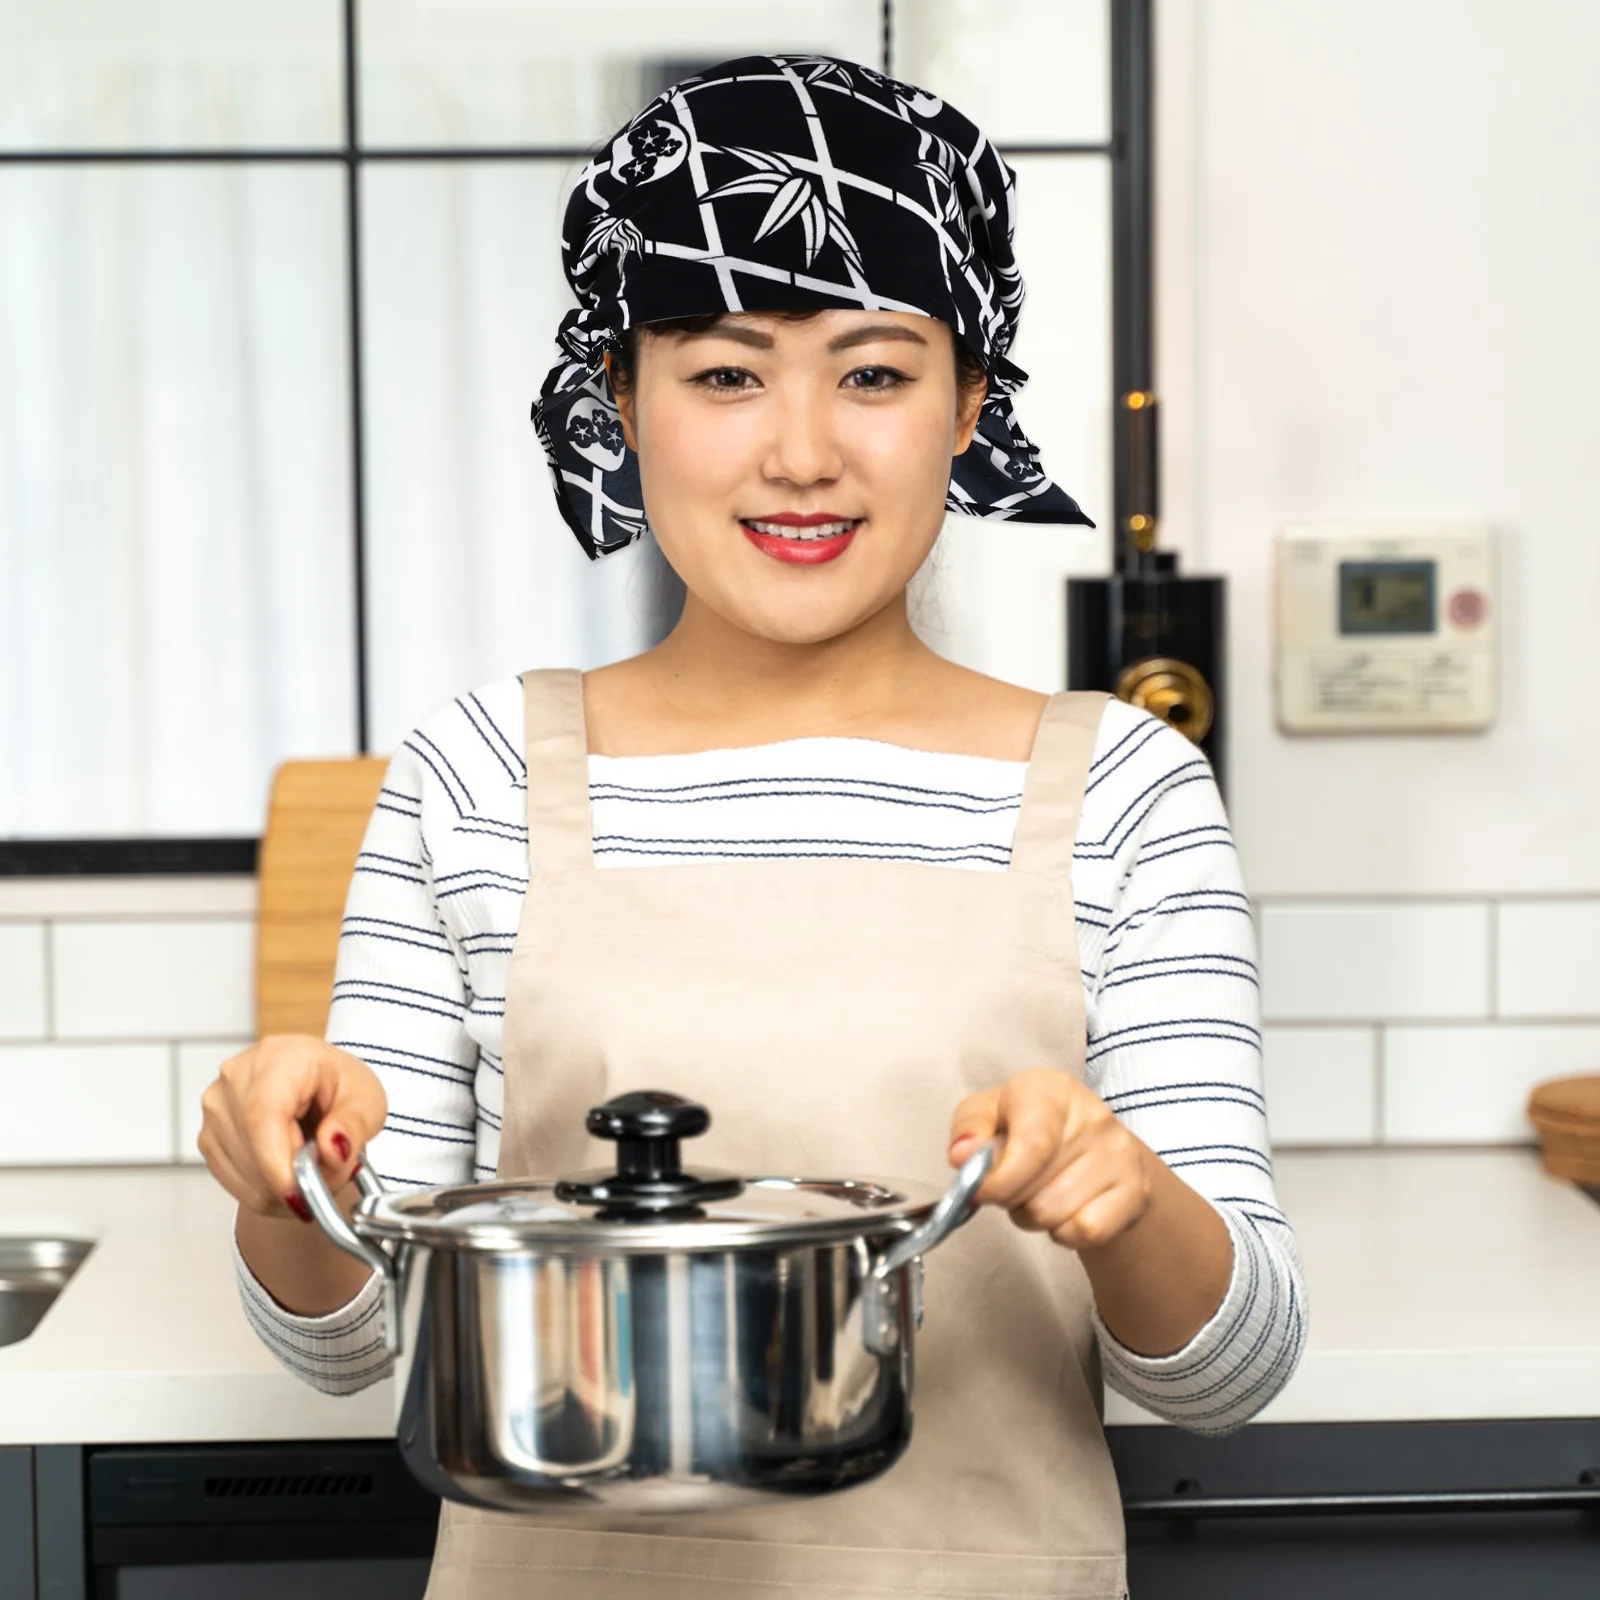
[(1386, 627)]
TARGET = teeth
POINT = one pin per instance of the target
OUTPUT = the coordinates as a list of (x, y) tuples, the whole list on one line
[(781, 530)]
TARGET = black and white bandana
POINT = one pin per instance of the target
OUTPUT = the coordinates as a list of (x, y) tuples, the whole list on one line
[(783, 183)]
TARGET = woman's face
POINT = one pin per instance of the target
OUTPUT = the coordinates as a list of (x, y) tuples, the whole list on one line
[(839, 428)]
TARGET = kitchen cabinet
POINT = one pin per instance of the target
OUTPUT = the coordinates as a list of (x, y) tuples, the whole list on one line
[(41, 1524), (1463, 1510), (278, 1521), (16, 1523), (1458, 1510)]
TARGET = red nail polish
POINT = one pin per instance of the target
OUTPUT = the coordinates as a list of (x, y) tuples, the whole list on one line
[(341, 1143), (296, 1203)]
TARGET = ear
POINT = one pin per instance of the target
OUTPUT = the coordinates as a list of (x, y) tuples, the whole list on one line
[(969, 405), (624, 409)]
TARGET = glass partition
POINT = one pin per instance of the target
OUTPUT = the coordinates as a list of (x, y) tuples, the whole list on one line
[(179, 538)]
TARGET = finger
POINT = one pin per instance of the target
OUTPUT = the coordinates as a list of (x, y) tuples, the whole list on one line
[(237, 1069), (227, 1171), (357, 1110), (226, 1147), (1104, 1218), (1064, 1195), (976, 1119), (287, 1087), (1033, 1116), (1089, 1129)]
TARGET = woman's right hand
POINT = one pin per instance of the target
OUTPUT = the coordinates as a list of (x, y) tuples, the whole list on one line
[(263, 1102)]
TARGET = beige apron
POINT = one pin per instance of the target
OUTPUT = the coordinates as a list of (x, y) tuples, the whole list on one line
[(832, 1014)]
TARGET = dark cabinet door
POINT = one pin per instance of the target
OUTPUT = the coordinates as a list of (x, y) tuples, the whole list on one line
[(16, 1523), (1364, 1511), (1452, 1556)]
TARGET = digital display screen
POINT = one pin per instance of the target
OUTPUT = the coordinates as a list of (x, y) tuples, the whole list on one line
[(1387, 597)]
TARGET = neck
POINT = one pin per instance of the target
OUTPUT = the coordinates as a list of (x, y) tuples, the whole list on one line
[(710, 670)]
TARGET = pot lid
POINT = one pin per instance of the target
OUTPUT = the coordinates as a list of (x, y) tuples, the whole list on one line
[(649, 1203)]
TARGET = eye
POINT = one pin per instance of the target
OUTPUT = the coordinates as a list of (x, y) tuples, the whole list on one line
[(726, 379), (874, 379)]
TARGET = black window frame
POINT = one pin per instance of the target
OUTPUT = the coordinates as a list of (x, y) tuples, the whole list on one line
[(1132, 86)]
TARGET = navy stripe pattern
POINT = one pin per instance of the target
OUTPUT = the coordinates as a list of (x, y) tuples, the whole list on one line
[(1165, 938)]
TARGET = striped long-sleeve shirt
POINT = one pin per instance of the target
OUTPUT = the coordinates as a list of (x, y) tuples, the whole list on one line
[(1165, 939)]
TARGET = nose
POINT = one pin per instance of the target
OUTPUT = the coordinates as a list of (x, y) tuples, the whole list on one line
[(803, 450)]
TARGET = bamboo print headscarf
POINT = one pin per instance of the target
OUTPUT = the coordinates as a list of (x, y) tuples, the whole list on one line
[(783, 183)]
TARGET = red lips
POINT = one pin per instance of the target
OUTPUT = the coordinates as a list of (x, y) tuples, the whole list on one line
[(799, 552)]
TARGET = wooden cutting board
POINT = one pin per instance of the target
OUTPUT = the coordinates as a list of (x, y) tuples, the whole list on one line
[(315, 822)]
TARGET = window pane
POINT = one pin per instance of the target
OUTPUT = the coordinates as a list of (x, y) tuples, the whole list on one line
[(471, 572), (110, 74), (174, 494), (992, 595), (1026, 71), (502, 72)]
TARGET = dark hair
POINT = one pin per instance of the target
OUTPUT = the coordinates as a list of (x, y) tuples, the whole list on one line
[(624, 361)]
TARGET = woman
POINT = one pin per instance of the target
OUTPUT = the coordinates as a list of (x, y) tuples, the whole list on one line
[(871, 907)]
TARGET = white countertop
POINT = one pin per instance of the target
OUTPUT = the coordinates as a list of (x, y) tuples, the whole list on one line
[(1443, 1284), (147, 1343)]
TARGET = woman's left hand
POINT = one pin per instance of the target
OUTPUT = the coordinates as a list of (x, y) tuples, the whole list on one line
[(1069, 1168)]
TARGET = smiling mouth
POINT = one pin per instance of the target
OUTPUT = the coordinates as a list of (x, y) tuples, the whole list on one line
[(832, 529)]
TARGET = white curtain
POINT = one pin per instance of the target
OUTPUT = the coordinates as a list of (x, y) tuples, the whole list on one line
[(993, 593), (472, 574), (176, 608)]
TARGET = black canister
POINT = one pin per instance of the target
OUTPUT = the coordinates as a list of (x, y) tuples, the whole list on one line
[(1157, 640)]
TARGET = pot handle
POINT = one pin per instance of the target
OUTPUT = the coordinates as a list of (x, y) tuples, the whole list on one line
[(956, 1206), (333, 1223)]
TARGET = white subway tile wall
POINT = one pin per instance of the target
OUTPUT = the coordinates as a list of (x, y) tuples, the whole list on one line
[(1322, 1085), (1407, 1022), (85, 1103), (119, 999), (197, 1065), (22, 980), (1332, 961), (152, 980), (1548, 958), (1470, 1085)]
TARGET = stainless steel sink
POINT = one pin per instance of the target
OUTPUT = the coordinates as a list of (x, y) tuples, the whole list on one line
[(33, 1271)]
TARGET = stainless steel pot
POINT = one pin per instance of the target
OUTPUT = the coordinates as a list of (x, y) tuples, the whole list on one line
[(649, 1339)]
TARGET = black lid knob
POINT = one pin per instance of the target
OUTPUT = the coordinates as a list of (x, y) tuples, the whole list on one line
[(649, 1181), (648, 1114)]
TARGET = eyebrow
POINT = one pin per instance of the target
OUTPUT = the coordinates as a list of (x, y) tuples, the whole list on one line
[(742, 333), (738, 332), (875, 331)]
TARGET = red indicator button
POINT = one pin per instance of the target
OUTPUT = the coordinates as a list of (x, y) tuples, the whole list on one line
[(1469, 608)]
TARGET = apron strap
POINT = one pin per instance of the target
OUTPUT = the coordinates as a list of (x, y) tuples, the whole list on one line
[(1057, 774), (560, 837)]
